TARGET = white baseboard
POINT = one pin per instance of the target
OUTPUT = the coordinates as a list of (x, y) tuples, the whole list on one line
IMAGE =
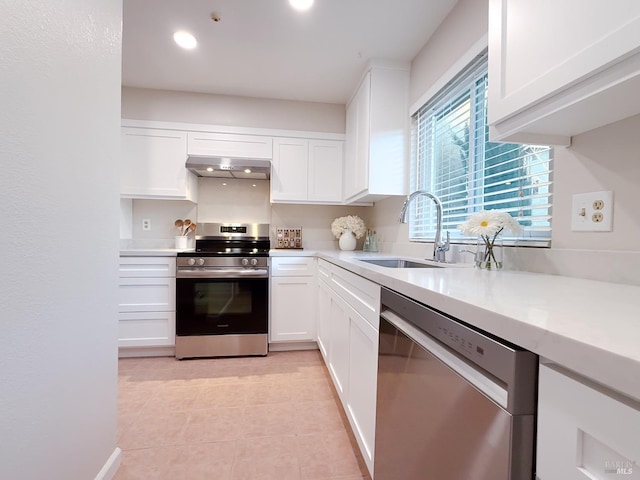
[(108, 471)]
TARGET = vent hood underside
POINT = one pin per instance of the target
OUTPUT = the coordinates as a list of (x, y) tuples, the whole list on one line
[(225, 167)]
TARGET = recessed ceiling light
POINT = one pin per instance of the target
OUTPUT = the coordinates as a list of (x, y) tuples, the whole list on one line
[(185, 40), (301, 5), (224, 184), (247, 170), (209, 169), (254, 185)]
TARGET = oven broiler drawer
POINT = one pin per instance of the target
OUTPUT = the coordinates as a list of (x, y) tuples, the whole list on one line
[(213, 326)]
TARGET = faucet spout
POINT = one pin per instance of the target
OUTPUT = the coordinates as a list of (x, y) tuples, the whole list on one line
[(439, 248)]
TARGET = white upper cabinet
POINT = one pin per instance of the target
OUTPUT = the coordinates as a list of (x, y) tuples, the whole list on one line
[(229, 145), (558, 68), (306, 171), (377, 128), (289, 170), (324, 182), (153, 165)]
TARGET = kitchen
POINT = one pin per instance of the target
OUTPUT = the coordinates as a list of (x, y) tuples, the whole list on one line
[(601, 159)]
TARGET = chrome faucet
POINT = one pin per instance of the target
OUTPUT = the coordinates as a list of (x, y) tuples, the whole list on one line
[(439, 248)]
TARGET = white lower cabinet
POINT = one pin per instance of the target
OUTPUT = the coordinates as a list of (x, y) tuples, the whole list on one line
[(363, 379), (348, 319), (584, 431), (339, 345), (293, 300), (146, 303), (147, 329), (324, 315)]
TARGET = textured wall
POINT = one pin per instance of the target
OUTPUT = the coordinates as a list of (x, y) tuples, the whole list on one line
[(59, 124)]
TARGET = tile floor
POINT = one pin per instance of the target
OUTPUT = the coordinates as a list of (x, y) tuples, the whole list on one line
[(247, 418)]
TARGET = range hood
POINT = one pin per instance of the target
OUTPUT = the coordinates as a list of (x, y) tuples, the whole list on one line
[(228, 167)]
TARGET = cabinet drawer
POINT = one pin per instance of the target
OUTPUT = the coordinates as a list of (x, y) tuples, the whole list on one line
[(293, 266), (144, 267), (229, 145), (146, 329), (362, 294), (324, 270), (147, 295), (584, 433)]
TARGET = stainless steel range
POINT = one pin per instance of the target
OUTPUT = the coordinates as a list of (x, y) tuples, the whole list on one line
[(222, 292)]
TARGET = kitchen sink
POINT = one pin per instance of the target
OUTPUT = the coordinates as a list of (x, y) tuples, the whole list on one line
[(399, 263)]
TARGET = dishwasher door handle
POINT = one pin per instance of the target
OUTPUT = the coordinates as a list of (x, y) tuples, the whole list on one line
[(492, 389)]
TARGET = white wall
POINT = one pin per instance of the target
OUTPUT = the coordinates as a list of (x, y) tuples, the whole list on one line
[(164, 105), (60, 90), (315, 221), (603, 159), (239, 200)]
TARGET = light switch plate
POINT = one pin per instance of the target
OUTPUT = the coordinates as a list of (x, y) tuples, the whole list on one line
[(592, 212)]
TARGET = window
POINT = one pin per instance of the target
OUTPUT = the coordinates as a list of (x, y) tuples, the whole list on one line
[(454, 159)]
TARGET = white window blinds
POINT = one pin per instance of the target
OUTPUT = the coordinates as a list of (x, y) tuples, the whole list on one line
[(454, 160)]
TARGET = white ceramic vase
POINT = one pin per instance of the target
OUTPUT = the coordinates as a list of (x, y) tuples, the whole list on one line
[(181, 242), (347, 241)]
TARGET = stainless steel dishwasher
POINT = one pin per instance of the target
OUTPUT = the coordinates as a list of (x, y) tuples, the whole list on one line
[(453, 403)]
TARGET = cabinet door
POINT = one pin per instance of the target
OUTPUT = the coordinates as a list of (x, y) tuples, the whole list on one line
[(293, 312), (325, 171), (147, 329), (583, 433), (323, 319), (289, 169), (356, 170), (363, 377), (147, 295), (339, 346), (551, 83), (153, 164), (229, 145)]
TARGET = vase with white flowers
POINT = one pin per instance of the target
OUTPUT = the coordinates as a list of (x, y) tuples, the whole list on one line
[(488, 225), (347, 230)]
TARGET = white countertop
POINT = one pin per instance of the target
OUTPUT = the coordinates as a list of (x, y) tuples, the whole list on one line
[(590, 327), (152, 252)]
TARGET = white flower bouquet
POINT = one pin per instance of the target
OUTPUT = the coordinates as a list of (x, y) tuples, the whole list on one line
[(350, 222), (488, 225)]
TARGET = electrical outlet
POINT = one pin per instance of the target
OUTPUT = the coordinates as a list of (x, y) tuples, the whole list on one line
[(146, 224), (592, 212)]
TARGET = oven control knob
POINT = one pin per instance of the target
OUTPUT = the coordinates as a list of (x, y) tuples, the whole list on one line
[(245, 262), (191, 261), (200, 262), (254, 261)]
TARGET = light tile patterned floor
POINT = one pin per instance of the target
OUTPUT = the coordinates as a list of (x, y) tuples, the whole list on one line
[(246, 418)]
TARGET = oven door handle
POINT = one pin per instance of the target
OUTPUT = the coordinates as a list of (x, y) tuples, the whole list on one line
[(221, 272)]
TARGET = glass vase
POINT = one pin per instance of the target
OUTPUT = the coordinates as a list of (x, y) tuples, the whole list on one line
[(489, 255)]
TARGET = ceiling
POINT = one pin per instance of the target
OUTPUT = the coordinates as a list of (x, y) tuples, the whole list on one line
[(264, 48)]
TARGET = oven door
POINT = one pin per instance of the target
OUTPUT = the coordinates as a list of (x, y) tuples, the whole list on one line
[(221, 306)]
